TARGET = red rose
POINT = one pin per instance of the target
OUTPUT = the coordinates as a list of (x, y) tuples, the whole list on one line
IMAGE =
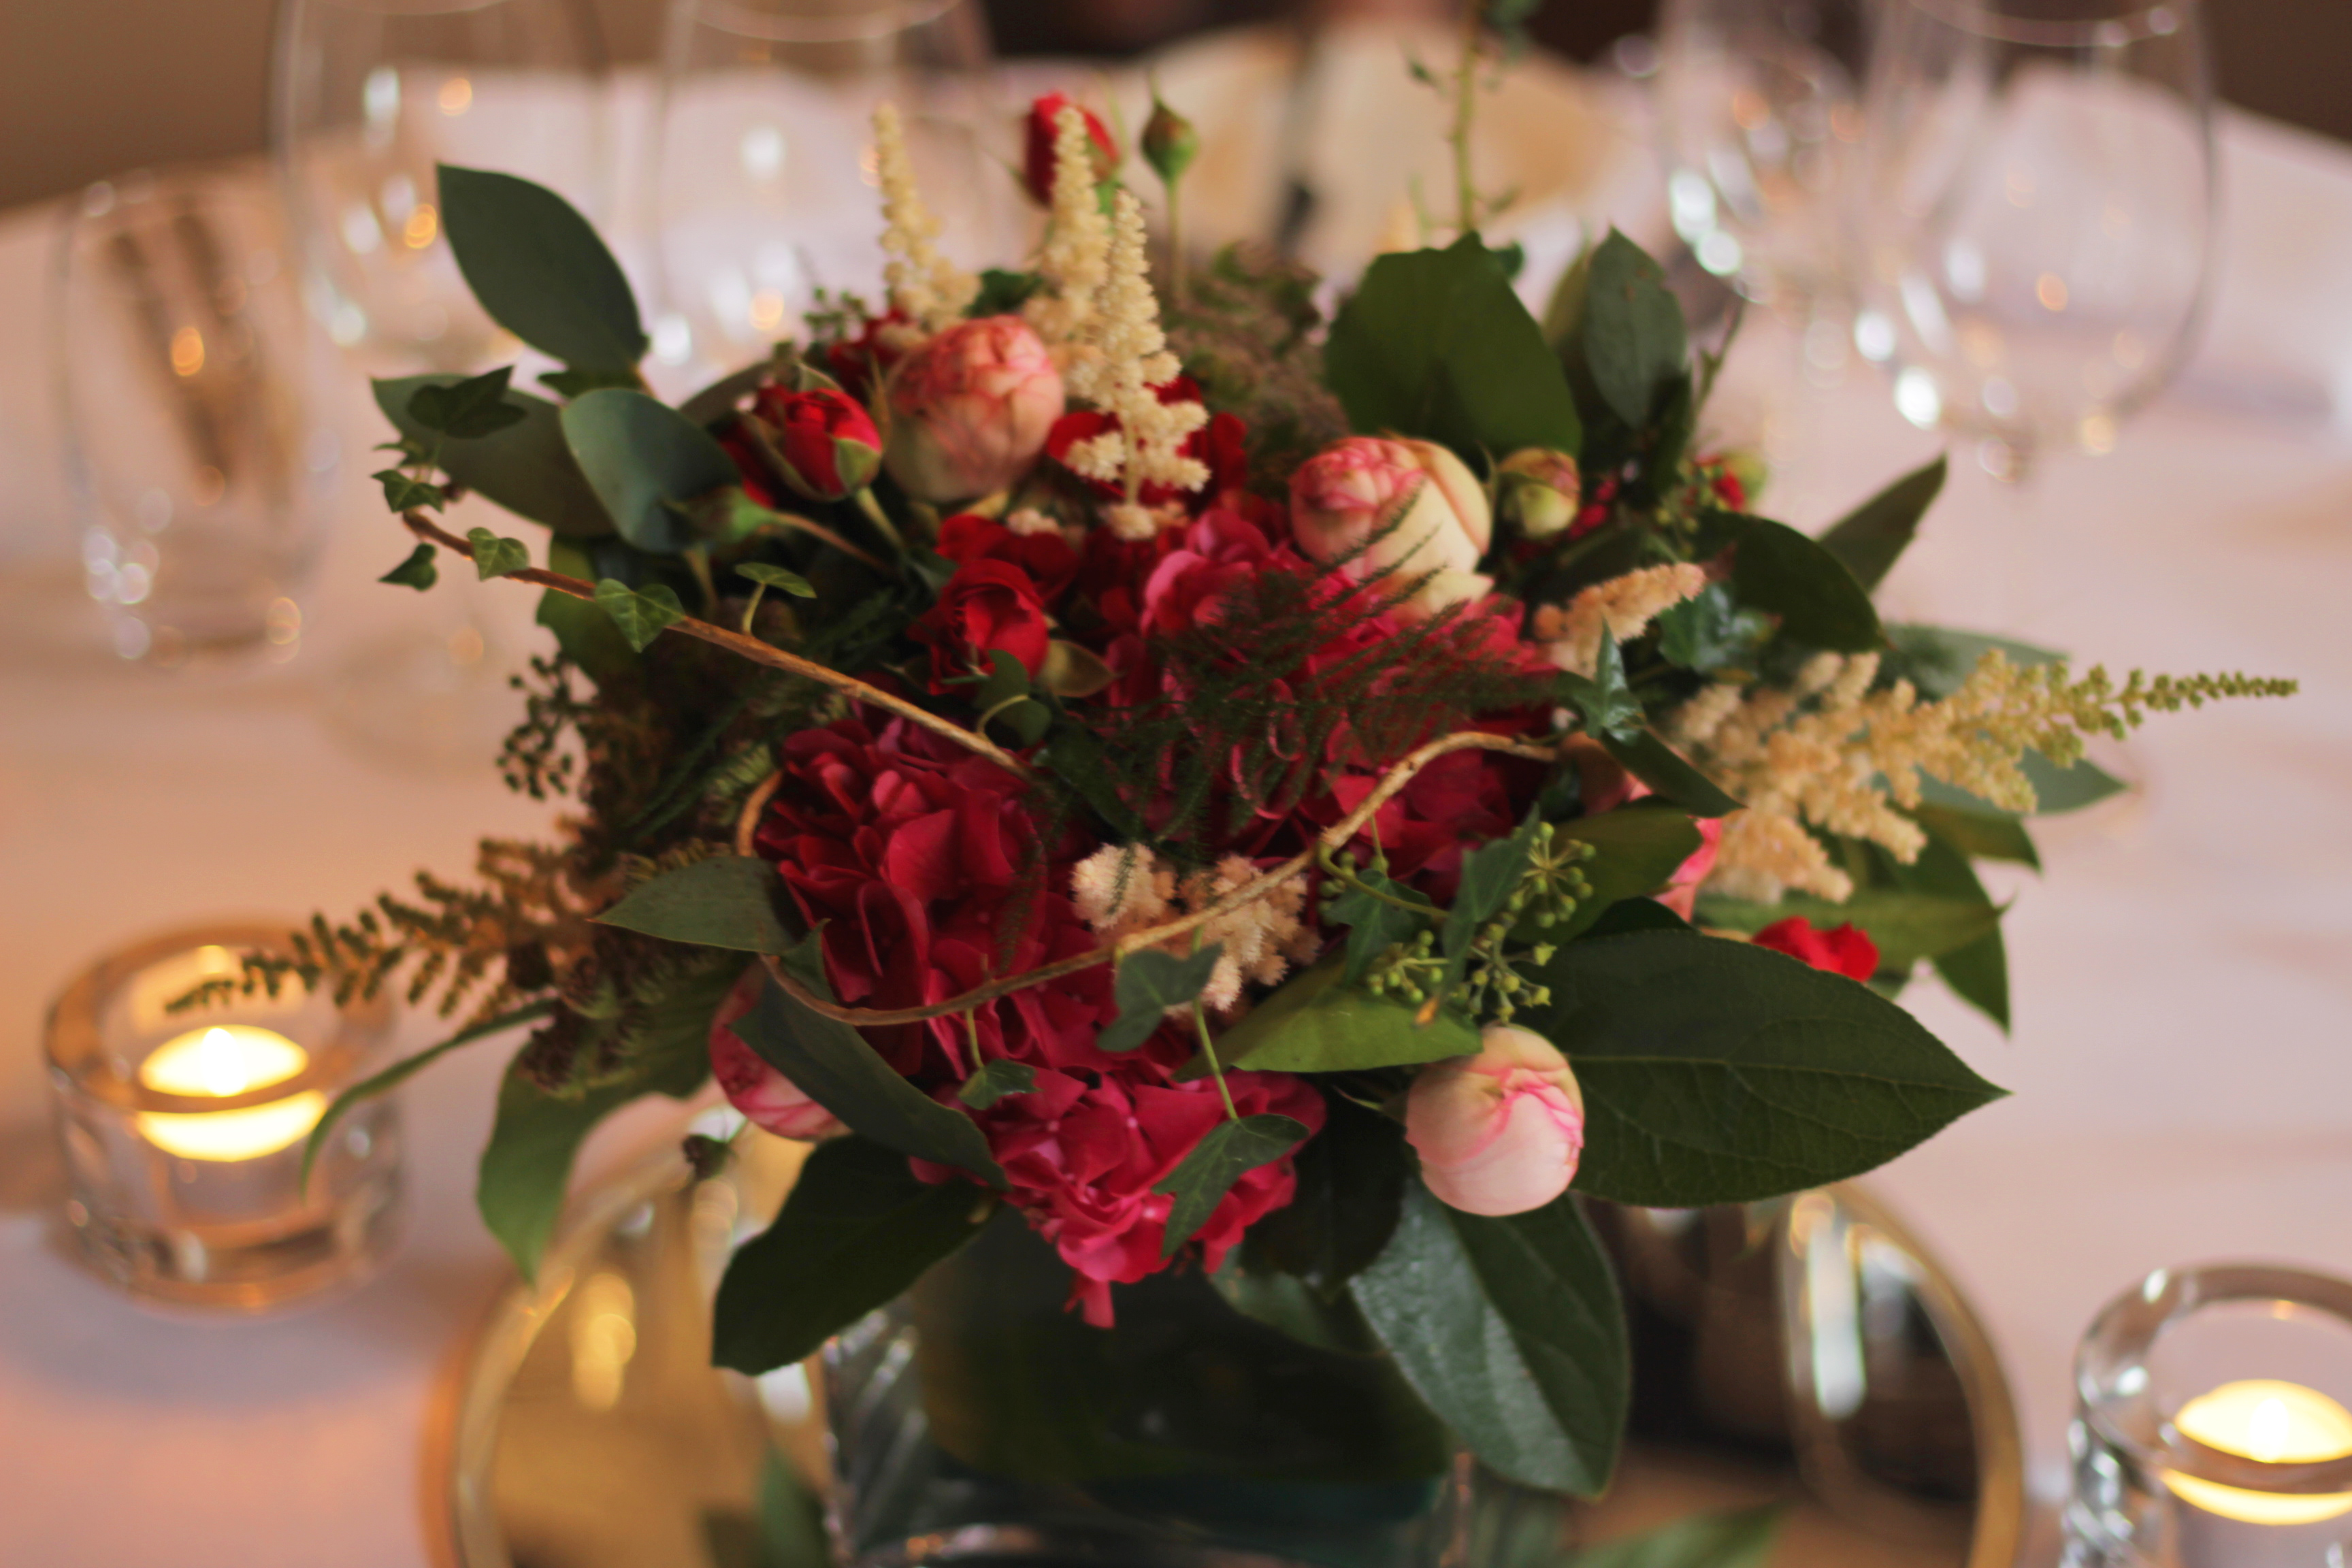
[(1037, 167), (988, 604), (1045, 556), (829, 445), (1845, 950)]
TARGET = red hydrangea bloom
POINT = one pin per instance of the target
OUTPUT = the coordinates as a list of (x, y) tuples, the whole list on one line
[(988, 604), (1846, 951)]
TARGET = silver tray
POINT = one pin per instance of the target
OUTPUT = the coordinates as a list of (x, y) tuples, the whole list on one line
[(1809, 1354)]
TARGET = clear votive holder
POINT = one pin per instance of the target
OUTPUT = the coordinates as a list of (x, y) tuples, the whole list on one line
[(183, 1130), (2214, 1423)]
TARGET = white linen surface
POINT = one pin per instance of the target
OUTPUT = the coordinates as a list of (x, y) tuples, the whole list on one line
[(2182, 1077)]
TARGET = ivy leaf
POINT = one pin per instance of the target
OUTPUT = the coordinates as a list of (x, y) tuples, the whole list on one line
[(417, 572), (1316, 1023), (857, 1229), (1603, 699), (1512, 1331), (648, 464), (834, 1065), (495, 556), (582, 630), (725, 901), (1375, 922), (640, 615), (526, 467), (1716, 1072), (1742, 1540), (1149, 983), (466, 410), (402, 493), (1489, 875), (1873, 536), (538, 268), (1230, 1150), (996, 1080), (1708, 632), (776, 577)]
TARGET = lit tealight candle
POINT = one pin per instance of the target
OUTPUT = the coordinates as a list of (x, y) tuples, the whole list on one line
[(223, 1061), (2271, 1422)]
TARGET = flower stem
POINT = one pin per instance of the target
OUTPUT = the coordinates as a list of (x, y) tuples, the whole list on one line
[(881, 521), (1208, 1050), (1465, 108)]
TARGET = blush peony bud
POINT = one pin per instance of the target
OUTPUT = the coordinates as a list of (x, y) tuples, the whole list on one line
[(767, 1098), (971, 410), (829, 445), (1037, 163), (1539, 490), (1846, 951), (1345, 498), (1499, 1133)]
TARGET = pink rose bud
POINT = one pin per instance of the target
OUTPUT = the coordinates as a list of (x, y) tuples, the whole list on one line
[(1499, 1133), (1346, 498), (971, 410), (1540, 490), (1037, 163), (767, 1098), (829, 445)]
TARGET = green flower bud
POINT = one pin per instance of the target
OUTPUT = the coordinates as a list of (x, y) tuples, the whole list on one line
[(1169, 142)]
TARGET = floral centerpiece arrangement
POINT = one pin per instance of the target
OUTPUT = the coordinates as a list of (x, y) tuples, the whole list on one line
[(1216, 798)]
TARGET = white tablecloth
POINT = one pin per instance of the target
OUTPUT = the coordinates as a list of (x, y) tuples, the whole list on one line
[(2183, 1069)]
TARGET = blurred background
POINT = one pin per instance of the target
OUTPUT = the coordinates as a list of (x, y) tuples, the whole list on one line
[(98, 86)]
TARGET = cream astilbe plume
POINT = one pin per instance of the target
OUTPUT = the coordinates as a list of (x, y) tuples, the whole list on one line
[(1120, 889), (1131, 358), (932, 291), (1625, 605), (1077, 255)]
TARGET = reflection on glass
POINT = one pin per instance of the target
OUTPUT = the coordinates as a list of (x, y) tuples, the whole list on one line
[(371, 94), (751, 202), (2035, 219)]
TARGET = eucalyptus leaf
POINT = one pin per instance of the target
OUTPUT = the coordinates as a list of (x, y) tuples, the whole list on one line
[(1434, 344), (416, 572), (996, 1080), (856, 1230), (1873, 536), (641, 616), (1512, 1331), (1317, 1023), (525, 468), (1229, 1150), (540, 270), (495, 556), (725, 901), (1149, 983), (647, 464), (1716, 1072), (832, 1063)]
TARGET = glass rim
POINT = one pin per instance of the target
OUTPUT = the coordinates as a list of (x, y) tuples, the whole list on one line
[(2121, 29), (815, 21), (2130, 1326)]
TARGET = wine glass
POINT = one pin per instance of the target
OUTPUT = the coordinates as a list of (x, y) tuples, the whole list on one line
[(762, 186), (369, 95), (2035, 214)]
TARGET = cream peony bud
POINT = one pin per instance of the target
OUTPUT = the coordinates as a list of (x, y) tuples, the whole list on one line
[(1348, 493), (1499, 1133), (971, 410), (767, 1098)]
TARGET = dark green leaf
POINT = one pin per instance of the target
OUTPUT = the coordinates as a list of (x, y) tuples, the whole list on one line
[(996, 1080), (768, 577), (1716, 1072), (495, 556), (641, 616), (1376, 921), (1907, 926), (1606, 703), (1819, 601), (1315, 1023), (538, 268), (1630, 331), (403, 493), (1977, 972), (1512, 1331), (1985, 835), (646, 462), (1351, 1179), (466, 410), (1659, 765), (401, 1071), (1636, 914), (1939, 659), (857, 1228), (2057, 789), (1286, 1303), (1490, 874), (727, 900), (1230, 1151), (1149, 983), (1741, 1539), (1002, 292), (1871, 537), (582, 630), (1434, 344), (576, 383), (526, 468), (1637, 850), (1708, 632), (417, 572), (832, 1063)]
